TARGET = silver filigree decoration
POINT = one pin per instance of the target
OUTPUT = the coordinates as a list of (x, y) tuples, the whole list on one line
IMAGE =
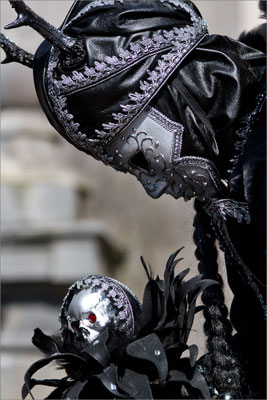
[(176, 45), (223, 208)]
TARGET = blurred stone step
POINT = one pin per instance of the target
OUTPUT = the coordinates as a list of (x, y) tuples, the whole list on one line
[(57, 253), (20, 320), (34, 200), (25, 122)]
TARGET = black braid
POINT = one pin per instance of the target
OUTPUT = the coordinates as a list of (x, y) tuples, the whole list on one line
[(223, 370)]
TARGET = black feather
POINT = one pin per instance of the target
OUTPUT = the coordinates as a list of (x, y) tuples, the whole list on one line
[(46, 344), (153, 305), (147, 270)]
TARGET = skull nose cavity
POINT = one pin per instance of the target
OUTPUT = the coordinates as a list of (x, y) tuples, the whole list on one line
[(139, 161)]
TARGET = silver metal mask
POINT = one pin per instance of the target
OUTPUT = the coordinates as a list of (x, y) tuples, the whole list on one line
[(97, 302), (150, 149)]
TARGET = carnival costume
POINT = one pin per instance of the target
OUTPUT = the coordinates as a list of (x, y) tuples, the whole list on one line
[(183, 111)]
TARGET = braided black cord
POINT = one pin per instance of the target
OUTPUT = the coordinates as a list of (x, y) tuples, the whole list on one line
[(223, 370)]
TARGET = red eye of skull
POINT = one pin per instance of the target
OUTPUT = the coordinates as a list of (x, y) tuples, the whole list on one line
[(92, 318)]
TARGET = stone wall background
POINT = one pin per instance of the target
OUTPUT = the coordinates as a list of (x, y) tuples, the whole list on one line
[(65, 215)]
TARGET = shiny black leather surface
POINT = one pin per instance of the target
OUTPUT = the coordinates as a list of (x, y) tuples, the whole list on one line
[(216, 75)]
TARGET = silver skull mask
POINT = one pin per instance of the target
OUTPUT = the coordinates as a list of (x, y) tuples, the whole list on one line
[(97, 302), (150, 149)]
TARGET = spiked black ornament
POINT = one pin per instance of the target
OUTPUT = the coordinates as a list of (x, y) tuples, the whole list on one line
[(26, 16), (15, 53)]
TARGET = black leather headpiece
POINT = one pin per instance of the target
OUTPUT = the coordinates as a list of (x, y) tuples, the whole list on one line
[(130, 52), (111, 58)]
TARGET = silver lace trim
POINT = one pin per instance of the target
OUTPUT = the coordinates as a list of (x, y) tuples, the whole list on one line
[(138, 49), (221, 209), (180, 42)]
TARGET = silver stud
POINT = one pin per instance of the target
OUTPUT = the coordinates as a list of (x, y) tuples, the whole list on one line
[(113, 387), (157, 353), (134, 129), (155, 186), (193, 172), (123, 138), (148, 181), (117, 151), (157, 144), (157, 160)]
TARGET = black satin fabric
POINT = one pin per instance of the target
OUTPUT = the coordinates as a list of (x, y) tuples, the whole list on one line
[(126, 18), (223, 76)]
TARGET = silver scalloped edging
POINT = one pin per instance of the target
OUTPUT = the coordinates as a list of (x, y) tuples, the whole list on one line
[(222, 208), (182, 40), (139, 49)]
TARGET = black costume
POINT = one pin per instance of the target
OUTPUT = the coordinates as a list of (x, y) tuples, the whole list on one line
[(202, 97)]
